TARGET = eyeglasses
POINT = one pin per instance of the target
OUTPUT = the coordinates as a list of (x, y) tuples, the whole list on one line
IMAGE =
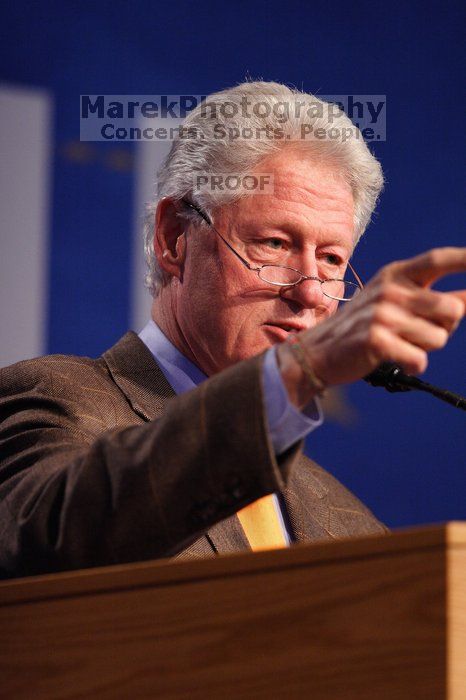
[(283, 276)]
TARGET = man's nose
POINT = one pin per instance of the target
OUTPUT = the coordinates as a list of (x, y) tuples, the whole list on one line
[(308, 293)]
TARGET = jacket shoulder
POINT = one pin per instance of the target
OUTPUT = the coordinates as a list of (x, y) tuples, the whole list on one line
[(61, 391), (48, 370)]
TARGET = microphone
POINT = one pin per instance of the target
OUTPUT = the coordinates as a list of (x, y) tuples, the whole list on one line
[(392, 378), (389, 376)]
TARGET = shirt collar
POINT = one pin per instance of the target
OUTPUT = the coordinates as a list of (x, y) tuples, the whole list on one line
[(180, 372)]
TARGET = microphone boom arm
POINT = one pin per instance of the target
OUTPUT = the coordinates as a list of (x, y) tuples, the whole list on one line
[(392, 378)]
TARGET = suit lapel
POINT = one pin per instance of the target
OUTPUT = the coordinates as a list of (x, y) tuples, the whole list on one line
[(145, 386), (306, 499), (139, 377), (322, 508), (228, 536)]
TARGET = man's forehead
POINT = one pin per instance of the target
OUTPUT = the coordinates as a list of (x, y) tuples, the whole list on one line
[(297, 177), (315, 197), (306, 178)]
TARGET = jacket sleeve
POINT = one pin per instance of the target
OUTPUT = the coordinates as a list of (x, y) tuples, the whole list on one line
[(74, 494)]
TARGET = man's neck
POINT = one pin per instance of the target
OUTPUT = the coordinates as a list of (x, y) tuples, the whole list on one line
[(164, 315)]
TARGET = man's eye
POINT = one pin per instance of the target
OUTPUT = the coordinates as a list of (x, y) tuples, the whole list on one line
[(333, 259), (274, 243)]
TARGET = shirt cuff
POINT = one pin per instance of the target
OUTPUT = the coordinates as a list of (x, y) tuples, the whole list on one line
[(287, 424)]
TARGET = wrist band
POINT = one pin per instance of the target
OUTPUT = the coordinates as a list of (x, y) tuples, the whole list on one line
[(299, 354)]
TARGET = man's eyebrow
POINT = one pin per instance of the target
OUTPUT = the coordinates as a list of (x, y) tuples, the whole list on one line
[(337, 241), (293, 230)]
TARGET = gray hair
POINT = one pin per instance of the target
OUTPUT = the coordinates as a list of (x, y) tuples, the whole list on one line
[(270, 106)]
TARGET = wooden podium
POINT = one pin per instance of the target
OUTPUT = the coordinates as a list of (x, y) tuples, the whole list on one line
[(374, 618)]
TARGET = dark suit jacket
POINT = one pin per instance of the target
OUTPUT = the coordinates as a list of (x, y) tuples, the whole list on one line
[(100, 463)]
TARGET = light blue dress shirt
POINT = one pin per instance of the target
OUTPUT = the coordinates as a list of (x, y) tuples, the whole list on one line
[(286, 423)]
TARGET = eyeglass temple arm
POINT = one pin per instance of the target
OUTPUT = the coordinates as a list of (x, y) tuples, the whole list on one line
[(197, 209), (358, 279), (209, 223)]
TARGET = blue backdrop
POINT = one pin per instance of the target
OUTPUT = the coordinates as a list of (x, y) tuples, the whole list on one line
[(404, 454)]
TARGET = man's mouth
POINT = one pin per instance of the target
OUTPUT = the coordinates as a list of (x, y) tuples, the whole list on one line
[(280, 331), (288, 327)]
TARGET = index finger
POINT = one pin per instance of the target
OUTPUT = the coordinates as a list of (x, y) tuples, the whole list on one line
[(428, 267), (459, 294)]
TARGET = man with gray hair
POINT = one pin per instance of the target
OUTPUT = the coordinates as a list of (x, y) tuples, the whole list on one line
[(186, 441)]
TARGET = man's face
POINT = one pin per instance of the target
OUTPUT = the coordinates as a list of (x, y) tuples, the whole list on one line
[(225, 312)]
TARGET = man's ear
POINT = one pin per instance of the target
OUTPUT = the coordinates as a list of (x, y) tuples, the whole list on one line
[(169, 237)]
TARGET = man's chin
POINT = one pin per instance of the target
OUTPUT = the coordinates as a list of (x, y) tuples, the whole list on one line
[(266, 337)]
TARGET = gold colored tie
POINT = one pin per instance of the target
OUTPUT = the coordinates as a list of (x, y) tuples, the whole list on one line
[(261, 525)]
